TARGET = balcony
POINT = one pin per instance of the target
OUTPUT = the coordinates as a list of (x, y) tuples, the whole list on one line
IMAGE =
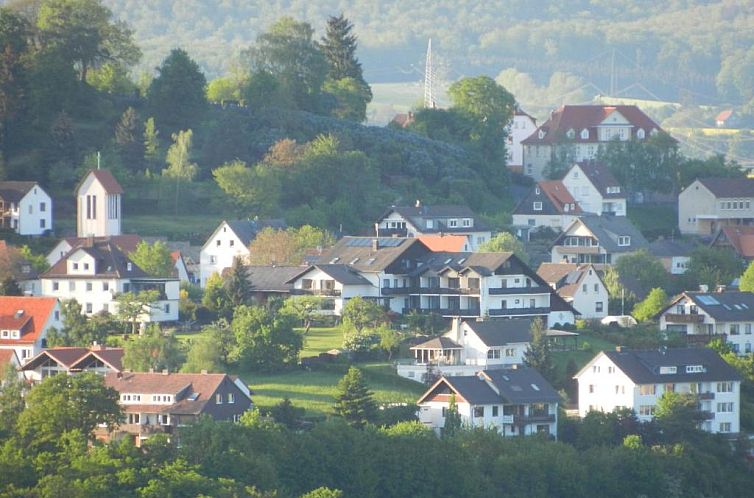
[(498, 291), (445, 311), (398, 291), (707, 415), (533, 419), (519, 311), (316, 292), (706, 396), (684, 318)]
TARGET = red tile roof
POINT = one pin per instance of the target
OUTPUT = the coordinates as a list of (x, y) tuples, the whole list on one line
[(559, 195), (724, 115), (444, 243), (6, 357), (38, 309), (742, 240), (580, 117), (73, 357)]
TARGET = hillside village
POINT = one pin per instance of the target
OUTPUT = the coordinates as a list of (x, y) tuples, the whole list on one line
[(465, 283)]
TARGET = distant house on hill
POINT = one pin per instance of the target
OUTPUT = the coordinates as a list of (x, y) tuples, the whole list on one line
[(724, 119), (25, 322), (709, 204), (521, 126), (548, 204), (739, 238), (580, 285), (578, 130), (675, 255), (25, 208), (595, 188), (403, 120), (597, 240)]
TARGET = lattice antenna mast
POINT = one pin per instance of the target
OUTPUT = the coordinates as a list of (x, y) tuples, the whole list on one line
[(429, 77)]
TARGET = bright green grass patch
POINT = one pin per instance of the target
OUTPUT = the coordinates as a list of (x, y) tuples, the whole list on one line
[(322, 339), (174, 227), (315, 390), (561, 358)]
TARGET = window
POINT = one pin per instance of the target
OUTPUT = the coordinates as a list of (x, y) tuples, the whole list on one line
[(724, 426), (212, 260), (43, 206), (493, 354), (478, 411), (591, 388), (495, 411), (75, 266), (467, 222), (624, 240), (386, 283), (510, 352), (167, 308), (725, 387), (453, 223), (88, 307), (89, 287), (584, 134), (217, 244), (42, 223), (667, 370), (596, 287), (647, 410), (647, 389), (734, 329), (694, 368), (596, 369), (620, 389), (133, 418), (747, 329), (537, 206), (725, 407), (55, 285), (129, 266), (532, 303), (218, 399), (105, 286), (232, 243), (56, 315), (71, 286), (584, 288), (231, 398), (598, 307), (669, 388)]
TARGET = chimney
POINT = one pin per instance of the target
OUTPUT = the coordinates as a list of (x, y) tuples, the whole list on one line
[(165, 371), (703, 288), (619, 349), (151, 370), (375, 244), (455, 328), (720, 289), (418, 203), (204, 372)]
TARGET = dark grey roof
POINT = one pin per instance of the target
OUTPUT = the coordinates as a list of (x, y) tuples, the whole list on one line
[(668, 248), (11, 191), (501, 332), (438, 343), (601, 177), (271, 278), (516, 385), (109, 260), (340, 273), (726, 306), (360, 254), (246, 230), (608, 228), (729, 187), (643, 367), (484, 263), (440, 214)]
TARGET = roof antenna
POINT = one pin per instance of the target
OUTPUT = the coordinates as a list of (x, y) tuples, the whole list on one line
[(98, 158)]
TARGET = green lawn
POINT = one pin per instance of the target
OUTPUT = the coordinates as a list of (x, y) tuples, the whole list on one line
[(654, 220), (321, 339), (561, 358)]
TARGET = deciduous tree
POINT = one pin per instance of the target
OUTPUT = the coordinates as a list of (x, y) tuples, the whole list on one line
[(655, 301), (154, 349), (155, 259), (265, 340), (133, 305), (359, 313), (180, 167), (506, 242)]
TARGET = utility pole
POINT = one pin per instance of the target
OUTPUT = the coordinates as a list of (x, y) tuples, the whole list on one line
[(612, 74), (429, 96)]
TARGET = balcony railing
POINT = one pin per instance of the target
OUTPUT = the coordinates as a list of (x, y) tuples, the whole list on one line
[(518, 311), (706, 396), (684, 318), (496, 291), (446, 311), (707, 415), (387, 291), (316, 292), (533, 419)]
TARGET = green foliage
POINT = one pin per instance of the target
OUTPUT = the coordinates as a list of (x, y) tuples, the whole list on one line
[(62, 403), (453, 423), (78, 330), (539, 356), (289, 246), (132, 306), (323, 492), (205, 353), (151, 144), (176, 96), (678, 413), (304, 308), (351, 98), (645, 268), (746, 283), (238, 285), (253, 189), (216, 297), (506, 242), (127, 140), (286, 414), (155, 259), (354, 402), (111, 78), (38, 261), (655, 301), (11, 399), (359, 313), (265, 340), (153, 350), (713, 266)]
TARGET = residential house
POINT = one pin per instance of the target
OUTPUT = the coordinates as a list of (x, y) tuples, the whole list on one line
[(448, 243), (403, 119), (674, 254), (595, 189), (469, 346), (229, 241), (521, 126), (14, 265), (95, 273), (126, 243), (580, 285), (25, 207), (638, 379), (336, 282), (71, 360), (577, 131), (25, 322), (707, 315), (270, 281), (598, 240), (158, 403), (98, 204), (738, 238), (417, 220), (548, 204), (709, 204), (515, 402)]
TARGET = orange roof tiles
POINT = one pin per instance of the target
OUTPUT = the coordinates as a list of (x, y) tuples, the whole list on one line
[(444, 243), (38, 309), (559, 195), (742, 240)]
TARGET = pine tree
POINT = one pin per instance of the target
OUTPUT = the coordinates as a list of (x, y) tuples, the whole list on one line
[(339, 47), (354, 401), (453, 421), (238, 286), (126, 138), (538, 355)]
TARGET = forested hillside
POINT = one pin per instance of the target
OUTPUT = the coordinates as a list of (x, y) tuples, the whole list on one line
[(688, 50)]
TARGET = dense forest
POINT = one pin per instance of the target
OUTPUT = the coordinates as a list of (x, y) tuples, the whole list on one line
[(680, 50)]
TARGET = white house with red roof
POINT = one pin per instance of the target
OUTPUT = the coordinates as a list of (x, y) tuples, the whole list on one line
[(580, 285), (548, 204), (71, 360), (521, 126), (595, 188), (98, 198), (25, 322), (25, 207), (578, 131)]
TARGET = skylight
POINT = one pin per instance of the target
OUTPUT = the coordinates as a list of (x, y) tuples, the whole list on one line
[(535, 387), (334, 260), (708, 300)]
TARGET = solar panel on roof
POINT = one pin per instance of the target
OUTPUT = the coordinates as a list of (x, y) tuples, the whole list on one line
[(726, 307), (709, 300)]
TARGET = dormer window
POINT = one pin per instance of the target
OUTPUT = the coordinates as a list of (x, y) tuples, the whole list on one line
[(453, 223), (129, 266), (75, 266), (541, 134), (537, 206), (467, 222), (640, 134), (624, 240), (694, 368), (584, 134), (430, 224), (571, 133), (536, 190)]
